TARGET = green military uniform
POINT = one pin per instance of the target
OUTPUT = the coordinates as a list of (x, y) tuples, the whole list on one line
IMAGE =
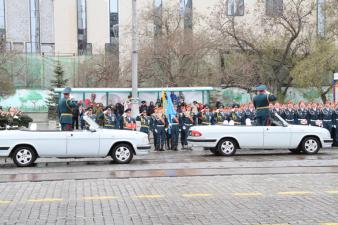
[(261, 103), (65, 112)]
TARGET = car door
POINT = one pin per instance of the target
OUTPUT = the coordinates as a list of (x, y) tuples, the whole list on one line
[(277, 137), (249, 136), (49, 143), (83, 143)]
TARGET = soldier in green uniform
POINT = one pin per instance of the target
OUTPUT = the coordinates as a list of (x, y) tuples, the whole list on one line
[(65, 110), (144, 120), (261, 102)]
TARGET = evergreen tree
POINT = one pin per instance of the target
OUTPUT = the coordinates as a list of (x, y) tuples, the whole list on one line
[(59, 81)]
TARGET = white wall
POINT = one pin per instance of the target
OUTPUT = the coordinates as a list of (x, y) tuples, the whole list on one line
[(65, 25), (98, 24)]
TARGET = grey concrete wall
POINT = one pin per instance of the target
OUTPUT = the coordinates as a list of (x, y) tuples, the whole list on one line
[(38, 117), (18, 20)]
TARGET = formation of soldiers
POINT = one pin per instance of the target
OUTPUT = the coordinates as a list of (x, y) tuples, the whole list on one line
[(168, 135), (168, 132), (13, 119)]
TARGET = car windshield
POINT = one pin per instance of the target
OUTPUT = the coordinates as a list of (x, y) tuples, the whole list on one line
[(277, 120), (92, 124)]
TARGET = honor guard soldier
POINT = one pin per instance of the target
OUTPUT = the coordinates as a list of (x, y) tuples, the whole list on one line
[(152, 124), (206, 116), (65, 110), (109, 118), (219, 115), (328, 117), (261, 102), (160, 126), (187, 121), (249, 113), (175, 130), (128, 121), (236, 115), (90, 114), (145, 122), (314, 115), (335, 124), (277, 109), (289, 113), (302, 114)]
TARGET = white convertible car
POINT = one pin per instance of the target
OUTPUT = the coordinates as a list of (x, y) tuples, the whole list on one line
[(225, 140), (25, 146)]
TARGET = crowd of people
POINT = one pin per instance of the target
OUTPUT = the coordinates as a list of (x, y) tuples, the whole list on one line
[(167, 135), (13, 119)]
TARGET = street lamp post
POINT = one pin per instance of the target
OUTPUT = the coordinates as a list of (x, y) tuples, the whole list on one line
[(134, 109)]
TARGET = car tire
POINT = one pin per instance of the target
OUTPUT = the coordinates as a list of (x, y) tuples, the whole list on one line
[(310, 145), (295, 150), (214, 151), (122, 153), (227, 147), (24, 156)]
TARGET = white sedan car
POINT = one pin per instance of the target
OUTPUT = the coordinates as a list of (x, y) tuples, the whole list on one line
[(25, 146), (225, 140)]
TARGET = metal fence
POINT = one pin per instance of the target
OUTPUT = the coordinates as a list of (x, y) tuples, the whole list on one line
[(36, 71)]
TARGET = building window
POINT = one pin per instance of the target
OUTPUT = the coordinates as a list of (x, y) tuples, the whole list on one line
[(82, 27), (235, 7), (274, 8), (321, 18), (187, 12), (34, 45), (158, 17), (2, 21), (114, 20)]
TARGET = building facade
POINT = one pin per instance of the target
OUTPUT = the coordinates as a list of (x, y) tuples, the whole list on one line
[(89, 27)]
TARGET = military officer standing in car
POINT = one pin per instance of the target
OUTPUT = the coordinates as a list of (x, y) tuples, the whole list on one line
[(65, 110), (261, 102)]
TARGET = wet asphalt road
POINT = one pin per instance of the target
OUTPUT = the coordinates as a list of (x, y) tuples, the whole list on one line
[(174, 188), (175, 164)]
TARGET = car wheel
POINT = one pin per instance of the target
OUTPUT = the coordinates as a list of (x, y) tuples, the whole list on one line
[(310, 145), (227, 147), (24, 156), (122, 154), (295, 150), (214, 151)]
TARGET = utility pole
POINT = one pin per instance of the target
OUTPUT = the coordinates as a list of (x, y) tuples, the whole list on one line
[(134, 108)]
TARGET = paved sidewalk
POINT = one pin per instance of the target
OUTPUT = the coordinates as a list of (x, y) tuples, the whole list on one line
[(280, 199)]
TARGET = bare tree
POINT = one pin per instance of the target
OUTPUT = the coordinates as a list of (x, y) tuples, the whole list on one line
[(316, 70), (274, 42), (174, 55), (100, 71)]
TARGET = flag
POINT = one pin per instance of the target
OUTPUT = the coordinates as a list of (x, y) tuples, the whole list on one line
[(164, 102), (169, 111)]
